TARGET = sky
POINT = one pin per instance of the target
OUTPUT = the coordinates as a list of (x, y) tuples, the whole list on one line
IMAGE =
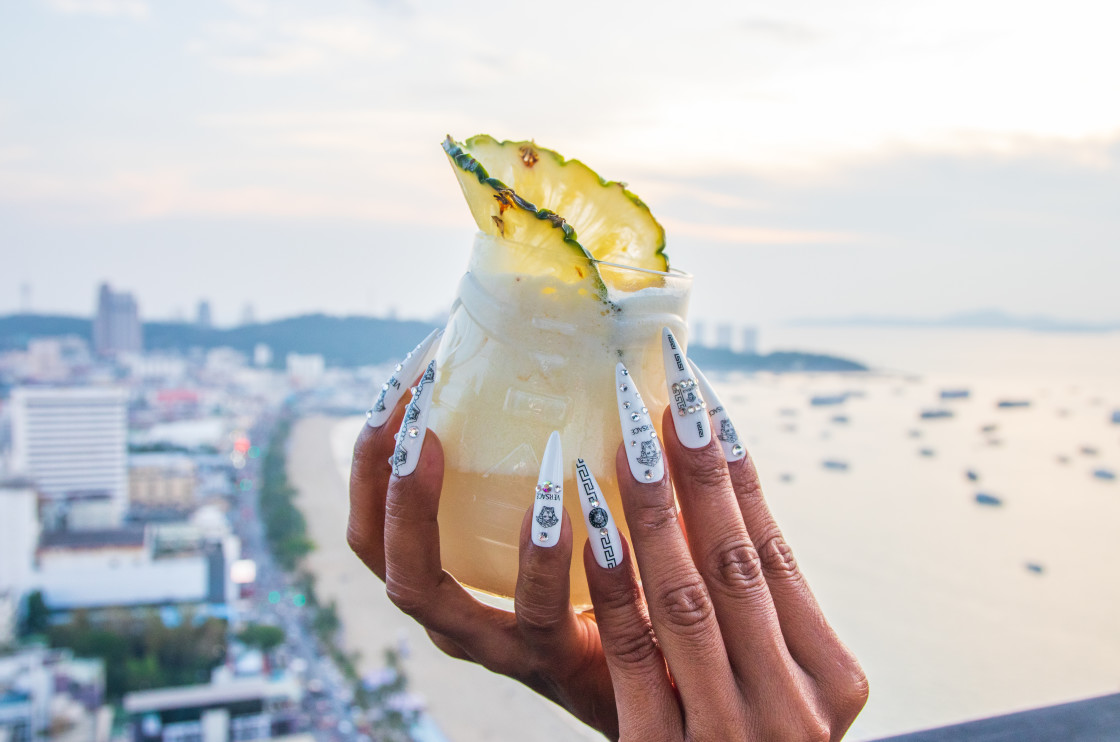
[(807, 159)]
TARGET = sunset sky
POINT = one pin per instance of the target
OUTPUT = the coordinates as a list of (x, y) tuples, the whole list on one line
[(807, 158)]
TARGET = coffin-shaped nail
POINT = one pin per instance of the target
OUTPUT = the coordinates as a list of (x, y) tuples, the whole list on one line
[(685, 399), (601, 531), (643, 450), (403, 375), (414, 426), (722, 427), (549, 501)]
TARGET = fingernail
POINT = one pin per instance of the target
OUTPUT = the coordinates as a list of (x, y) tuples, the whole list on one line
[(601, 531), (722, 427), (643, 450), (414, 426), (685, 399), (549, 502), (403, 374)]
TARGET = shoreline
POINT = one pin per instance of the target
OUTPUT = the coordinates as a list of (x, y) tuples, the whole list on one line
[(467, 702)]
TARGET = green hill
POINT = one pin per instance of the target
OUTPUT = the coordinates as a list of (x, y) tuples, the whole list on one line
[(354, 341)]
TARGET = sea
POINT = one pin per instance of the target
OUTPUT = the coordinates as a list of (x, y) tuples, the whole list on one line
[(956, 510)]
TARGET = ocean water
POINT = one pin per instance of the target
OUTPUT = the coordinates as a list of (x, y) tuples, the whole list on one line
[(957, 610)]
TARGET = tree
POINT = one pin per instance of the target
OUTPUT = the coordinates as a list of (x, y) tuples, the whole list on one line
[(264, 637), (38, 614)]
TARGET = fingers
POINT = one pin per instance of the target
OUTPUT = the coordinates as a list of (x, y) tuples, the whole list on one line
[(680, 606), (369, 478), (812, 642), (542, 601), (647, 706), (414, 576), (369, 473), (729, 563)]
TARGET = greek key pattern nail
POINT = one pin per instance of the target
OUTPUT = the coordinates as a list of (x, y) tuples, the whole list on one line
[(548, 500), (414, 426), (601, 531), (643, 450), (393, 389), (722, 426), (689, 417)]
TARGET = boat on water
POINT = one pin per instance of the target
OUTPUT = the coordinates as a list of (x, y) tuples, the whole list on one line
[(823, 400), (1116, 417), (1106, 474), (956, 393), (835, 465), (936, 414), (971, 475), (1006, 404), (983, 498)]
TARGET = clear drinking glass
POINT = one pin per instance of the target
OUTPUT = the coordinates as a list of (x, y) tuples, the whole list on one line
[(525, 353)]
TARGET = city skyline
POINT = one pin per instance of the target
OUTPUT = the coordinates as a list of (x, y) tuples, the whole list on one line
[(805, 161)]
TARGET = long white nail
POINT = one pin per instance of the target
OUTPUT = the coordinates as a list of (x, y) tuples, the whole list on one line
[(549, 502), (393, 389), (643, 450), (414, 426), (721, 422), (601, 531), (685, 399)]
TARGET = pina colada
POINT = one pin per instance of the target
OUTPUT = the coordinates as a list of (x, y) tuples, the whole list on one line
[(531, 345)]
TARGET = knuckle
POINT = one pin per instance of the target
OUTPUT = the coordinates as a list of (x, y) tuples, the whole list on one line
[(803, 724), (687, 605), (749, 488), (358, 541), (655, 516), (708, 473), (634, 646), (737, 567), (853, 689), (407, 598), (777, 559), (536, 616)]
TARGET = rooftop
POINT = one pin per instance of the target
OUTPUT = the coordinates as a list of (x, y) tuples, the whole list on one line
[(196, 696), (93, 539)]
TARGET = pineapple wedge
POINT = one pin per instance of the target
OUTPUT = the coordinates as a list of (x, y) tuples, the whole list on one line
[(533, 196)]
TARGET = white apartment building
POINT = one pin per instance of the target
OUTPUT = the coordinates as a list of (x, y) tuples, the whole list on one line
[(74, 443)]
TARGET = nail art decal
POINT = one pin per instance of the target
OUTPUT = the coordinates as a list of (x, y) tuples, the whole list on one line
[(548, 502), (404, 373), (643, 450), (601, 531), (721, 422), (414, 426), (685, 397)]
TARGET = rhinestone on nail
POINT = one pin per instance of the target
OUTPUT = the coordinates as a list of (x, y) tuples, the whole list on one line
[(649, 474), (369, 413), (399, 366), (625, 372), (623, 388), (542, 537), (384, 387), (593, 502), (603, 531), (635, 416), (653, 434), (625, 405), (645, 411), (737, 450), (413, 432)]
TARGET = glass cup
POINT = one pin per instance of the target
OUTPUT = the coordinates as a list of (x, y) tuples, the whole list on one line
[(526, 352)]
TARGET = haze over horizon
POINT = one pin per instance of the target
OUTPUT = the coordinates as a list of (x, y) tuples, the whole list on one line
[(808, 160)]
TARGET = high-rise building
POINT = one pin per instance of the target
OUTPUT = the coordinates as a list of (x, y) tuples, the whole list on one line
[(116, 328), (204, 321), (74, 444)]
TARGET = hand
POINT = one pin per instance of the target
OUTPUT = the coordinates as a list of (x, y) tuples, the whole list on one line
[(726, 643)]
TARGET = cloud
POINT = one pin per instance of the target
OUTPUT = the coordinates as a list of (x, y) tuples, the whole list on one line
[(136, 9), (778, 30)]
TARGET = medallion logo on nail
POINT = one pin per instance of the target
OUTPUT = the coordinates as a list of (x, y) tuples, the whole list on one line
[(602, 534), (691, 418), (643, 451), (548, 498)]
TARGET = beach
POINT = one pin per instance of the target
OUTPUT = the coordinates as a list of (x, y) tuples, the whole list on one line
[(467, 702), (956, 608)]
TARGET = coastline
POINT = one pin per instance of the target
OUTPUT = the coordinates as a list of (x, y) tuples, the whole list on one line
[(469, 703)]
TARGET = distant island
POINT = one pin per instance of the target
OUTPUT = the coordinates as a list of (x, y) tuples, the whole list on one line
[(987, 319), (355, 341)]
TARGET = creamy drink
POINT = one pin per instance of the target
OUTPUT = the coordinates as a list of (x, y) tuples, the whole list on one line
[(531, 347)]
